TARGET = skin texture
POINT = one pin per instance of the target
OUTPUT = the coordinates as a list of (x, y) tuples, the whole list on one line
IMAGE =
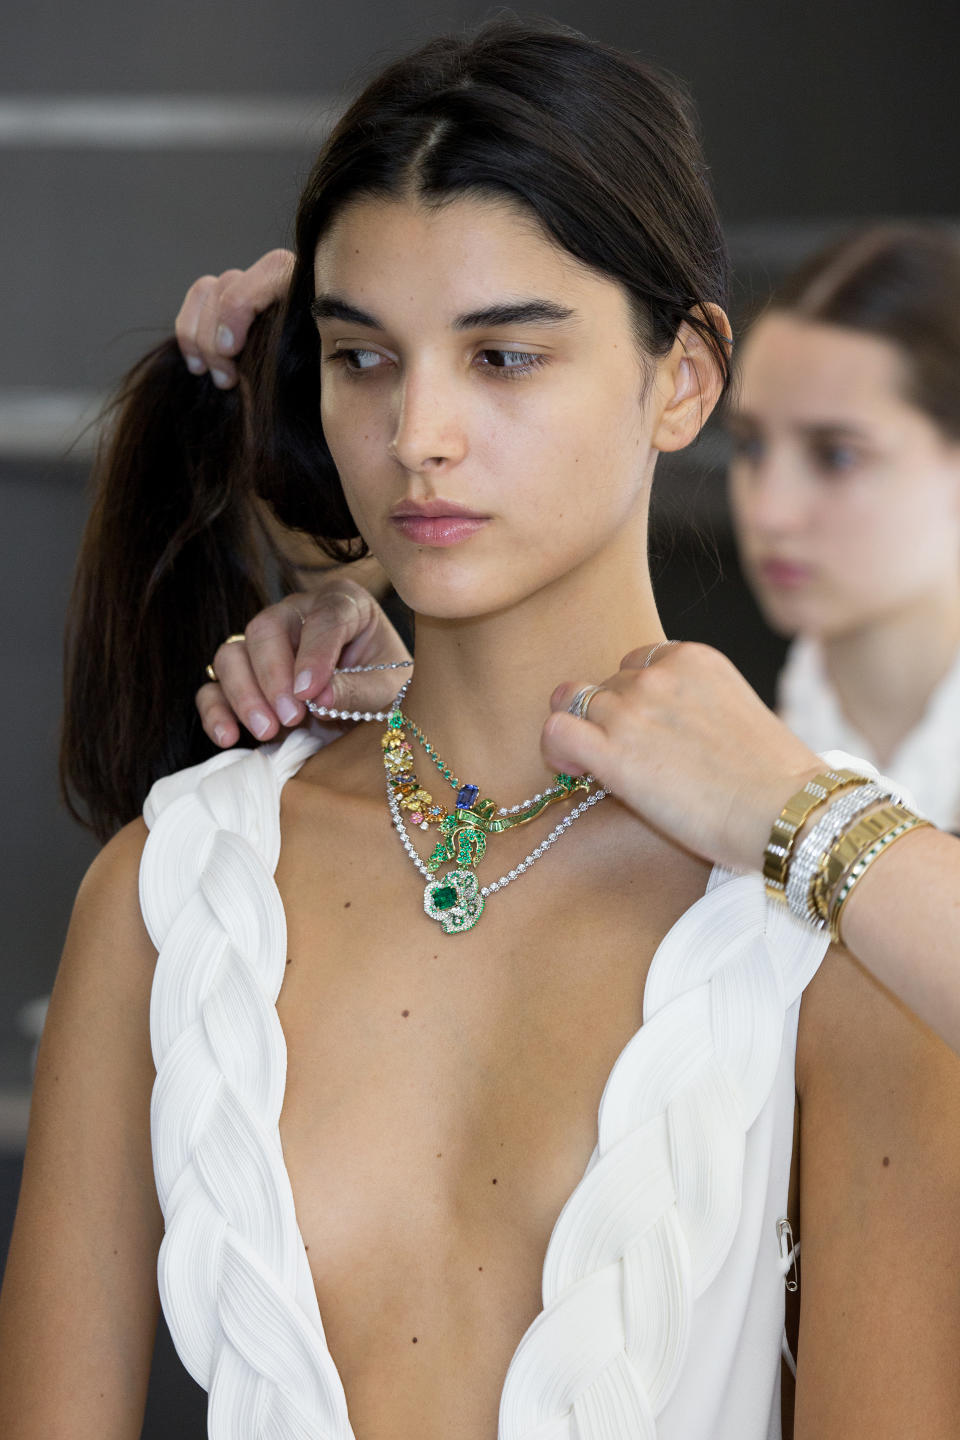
[(837, 471), (462, 1097)]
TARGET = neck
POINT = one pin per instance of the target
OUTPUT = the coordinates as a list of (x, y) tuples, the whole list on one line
[(482, 686), (885, 672)]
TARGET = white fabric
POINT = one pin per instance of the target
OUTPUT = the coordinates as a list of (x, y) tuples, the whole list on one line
[(662, 1285), (927, 762)]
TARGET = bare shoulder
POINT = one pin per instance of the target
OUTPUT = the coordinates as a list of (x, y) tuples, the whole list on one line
[(79, 1301), (879, 1208)]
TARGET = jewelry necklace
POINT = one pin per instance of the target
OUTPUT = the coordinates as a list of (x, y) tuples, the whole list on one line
[(456, 901), (325, 712)]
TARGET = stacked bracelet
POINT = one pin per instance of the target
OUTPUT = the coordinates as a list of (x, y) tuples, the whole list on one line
[(851, 857), (792, 818), (813, 850)]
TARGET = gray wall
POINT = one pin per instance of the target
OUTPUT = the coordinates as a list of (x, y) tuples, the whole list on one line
[(197, 125)]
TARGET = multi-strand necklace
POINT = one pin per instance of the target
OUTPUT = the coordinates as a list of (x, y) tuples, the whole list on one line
[(456, 900)]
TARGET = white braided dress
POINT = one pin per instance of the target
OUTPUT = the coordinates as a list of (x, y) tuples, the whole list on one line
[(663, 1288)]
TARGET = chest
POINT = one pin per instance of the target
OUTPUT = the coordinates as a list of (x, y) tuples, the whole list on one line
[(442, 1093)]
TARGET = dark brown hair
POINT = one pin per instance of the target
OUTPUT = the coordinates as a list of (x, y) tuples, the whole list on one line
[(601, 148), (899, 282)]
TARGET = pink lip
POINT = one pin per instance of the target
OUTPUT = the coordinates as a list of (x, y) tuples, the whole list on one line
[(785, 574), (439, 530), (436, 522)]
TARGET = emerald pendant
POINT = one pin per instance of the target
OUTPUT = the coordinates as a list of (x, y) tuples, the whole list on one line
[(454, 901)]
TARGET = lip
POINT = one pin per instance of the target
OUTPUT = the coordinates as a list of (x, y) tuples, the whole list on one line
[(436, 522), (784, 574), (439, 529)]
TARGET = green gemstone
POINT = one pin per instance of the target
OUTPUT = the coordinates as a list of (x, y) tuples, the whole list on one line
[(445, 897), (395, 721)]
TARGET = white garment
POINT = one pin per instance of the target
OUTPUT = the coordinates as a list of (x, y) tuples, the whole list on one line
[(662, 1285), (927, 762)]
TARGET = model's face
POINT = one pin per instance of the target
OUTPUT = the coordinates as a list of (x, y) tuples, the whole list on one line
[(482, 397), (846, 497)]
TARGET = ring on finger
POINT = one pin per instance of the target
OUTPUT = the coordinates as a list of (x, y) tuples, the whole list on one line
[(580, 703), (660, 645), (288, 600), (209, 671)]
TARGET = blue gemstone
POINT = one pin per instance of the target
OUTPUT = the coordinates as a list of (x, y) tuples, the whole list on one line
[(466, 797)]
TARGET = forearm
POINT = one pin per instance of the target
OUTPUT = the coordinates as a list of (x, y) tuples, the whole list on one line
[(902, 921)]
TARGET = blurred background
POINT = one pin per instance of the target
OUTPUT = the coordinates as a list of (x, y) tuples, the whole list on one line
[(142, 145)]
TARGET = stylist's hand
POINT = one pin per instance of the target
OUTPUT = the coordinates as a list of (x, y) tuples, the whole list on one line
[(218, 310), (265, 680), (689, 746)]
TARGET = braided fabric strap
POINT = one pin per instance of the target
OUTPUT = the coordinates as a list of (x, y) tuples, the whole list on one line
[(853, 855), (791, 820), (234, 1278), (648, 1229), (813, 849)]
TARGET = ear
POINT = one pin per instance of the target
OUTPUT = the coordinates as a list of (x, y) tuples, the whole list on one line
[(688, 383)]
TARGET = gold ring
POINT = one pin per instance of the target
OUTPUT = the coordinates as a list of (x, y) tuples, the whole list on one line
[(212, 675), (580, 703), (234, 639)]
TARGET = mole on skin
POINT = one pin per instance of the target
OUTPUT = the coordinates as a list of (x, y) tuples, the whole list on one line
[(886, 1159)]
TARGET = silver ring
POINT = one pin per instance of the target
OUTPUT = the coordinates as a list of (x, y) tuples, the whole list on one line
[(580, 703), (660, 645)]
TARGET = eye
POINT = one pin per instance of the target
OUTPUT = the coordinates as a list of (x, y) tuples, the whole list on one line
[(836, 458), (748, 448), (510, 362), (357, 362)]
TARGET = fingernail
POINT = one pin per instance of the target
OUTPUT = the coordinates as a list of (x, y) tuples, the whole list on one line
[(195, 365), (220, 378), (224, 338), (258, 723), (221, 734), (287, 709), (303, 682)]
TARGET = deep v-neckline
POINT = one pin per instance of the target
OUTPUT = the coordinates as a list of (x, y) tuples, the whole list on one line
[(316, 1310), (660, 1189)]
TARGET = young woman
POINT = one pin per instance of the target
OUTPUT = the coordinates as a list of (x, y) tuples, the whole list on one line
[(845, 486), (429, 1167)]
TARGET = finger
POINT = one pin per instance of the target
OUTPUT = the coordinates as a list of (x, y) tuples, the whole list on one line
[(242, 693), (576, 747), (223, 372), (197, 298), (216, 717), (647, 655), (337, 616), (564, 696), (271, 643), (247, 294)]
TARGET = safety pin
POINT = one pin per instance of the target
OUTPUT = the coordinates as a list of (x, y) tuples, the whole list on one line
[(788, 1254)]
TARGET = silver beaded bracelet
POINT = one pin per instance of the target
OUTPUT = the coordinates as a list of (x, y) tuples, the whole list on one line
[(810, 853)]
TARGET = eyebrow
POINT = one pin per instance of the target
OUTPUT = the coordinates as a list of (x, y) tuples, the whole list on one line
[(815, 430), (518, 312)]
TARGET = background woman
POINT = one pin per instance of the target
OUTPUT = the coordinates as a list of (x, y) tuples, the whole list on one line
[(505, 345), (845, 486)]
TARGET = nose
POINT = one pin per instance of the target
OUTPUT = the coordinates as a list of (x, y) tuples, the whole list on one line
[(430, 432)]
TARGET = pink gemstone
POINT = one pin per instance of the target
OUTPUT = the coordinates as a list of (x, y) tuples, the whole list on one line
[(417, 818)]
